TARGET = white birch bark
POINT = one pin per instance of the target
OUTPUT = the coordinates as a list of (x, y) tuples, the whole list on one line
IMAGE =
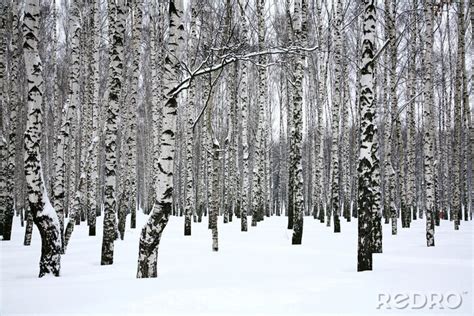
[(428, 120), (368, 160), (14, 100), (336, 104), (411, 132), (43, 213), (244, 100), (457, 139), (116, 31), (64, 140), (297, 128), (94, 105), (190, 198), (151, 232), (132, 115), (258, 164)]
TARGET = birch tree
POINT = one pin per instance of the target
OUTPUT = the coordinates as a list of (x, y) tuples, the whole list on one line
[(297, 135), (244, 99), (116, 30), (44, 216), (151, 232), (336, 104), (259, 152), (368, 160), (14, 98)]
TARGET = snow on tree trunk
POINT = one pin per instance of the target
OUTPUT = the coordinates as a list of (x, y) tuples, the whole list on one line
[(43, 213), (151, 232), (368, 160), (116, 31)]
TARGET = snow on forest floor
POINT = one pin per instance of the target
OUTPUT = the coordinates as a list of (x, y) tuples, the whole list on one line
[(254, 273)]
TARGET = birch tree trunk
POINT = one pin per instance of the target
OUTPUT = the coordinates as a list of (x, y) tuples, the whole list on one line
[(3, 65), (394, 119), (14, 96), (244, 100), (190, 198), (466, 152), (319, 154), (151, 232), (336, 104), (94, 105), (116, 30), (297, 128), (428, 141), (132, 117), (44, 216), (258, 164), (79, 196), (457, 139), (368, 160), (411, 124)]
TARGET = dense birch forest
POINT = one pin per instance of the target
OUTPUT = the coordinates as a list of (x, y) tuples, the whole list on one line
[(341, 112)]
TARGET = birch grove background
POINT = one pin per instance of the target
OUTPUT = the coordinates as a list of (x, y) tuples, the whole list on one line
[(233, 111)]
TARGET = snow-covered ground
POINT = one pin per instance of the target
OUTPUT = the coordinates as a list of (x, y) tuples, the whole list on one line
[(254, 273)]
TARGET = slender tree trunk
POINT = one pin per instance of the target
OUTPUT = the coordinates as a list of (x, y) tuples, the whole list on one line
[(335, 189), (14, 94), (132, 139), (94, 105), (457, 139), (428, 141), (297, 127), (79, 201), (116, 30), (245, 118), (259, 156), (411, 127)]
